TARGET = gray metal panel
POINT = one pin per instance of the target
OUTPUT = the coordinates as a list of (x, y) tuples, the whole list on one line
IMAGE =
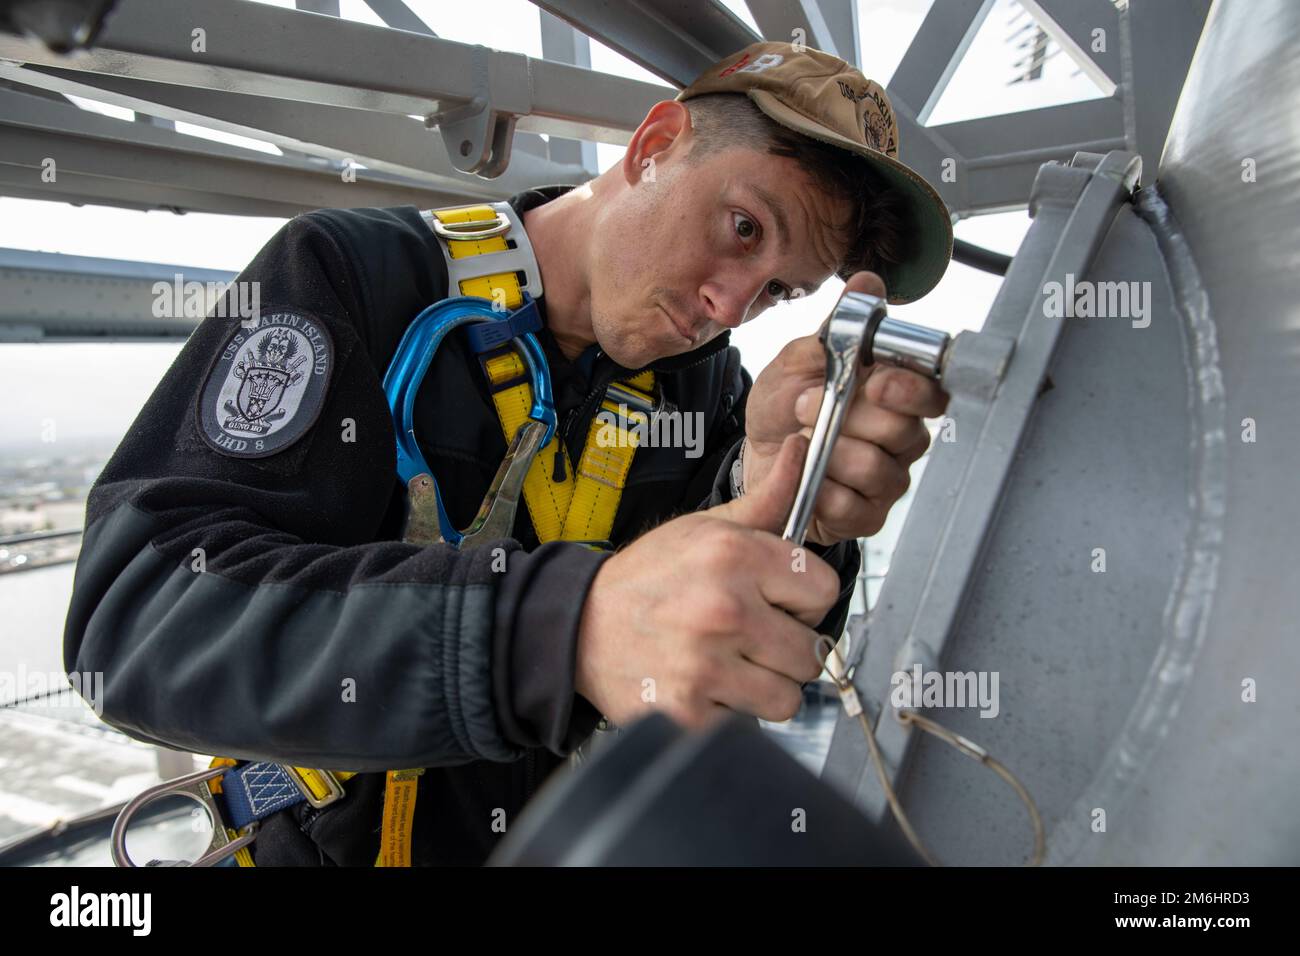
[(1104, 464), (1122, 690), (1221, 785)]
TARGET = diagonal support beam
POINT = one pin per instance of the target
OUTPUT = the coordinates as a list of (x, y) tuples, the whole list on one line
[(934, 53), (1088, 31), (399, 16), (823, 25)]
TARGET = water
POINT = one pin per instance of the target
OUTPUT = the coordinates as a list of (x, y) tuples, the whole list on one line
[(33, 607)]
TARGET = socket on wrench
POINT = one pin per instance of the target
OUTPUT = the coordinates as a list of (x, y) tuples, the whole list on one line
[(858, 332)]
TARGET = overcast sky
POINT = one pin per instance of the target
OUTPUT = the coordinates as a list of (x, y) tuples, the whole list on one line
[(92, 391)]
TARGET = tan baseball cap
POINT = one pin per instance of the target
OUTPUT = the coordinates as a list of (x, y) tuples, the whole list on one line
[(821, 96)]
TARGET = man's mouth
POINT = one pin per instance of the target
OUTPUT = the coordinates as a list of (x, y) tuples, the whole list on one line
[(681, 329)]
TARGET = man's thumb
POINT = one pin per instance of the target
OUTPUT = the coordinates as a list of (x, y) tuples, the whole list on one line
[(767, 507)]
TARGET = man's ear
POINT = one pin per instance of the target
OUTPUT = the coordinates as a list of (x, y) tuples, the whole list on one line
[(665, 131)]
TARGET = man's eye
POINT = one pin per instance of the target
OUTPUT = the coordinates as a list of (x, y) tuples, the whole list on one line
[(777, 291), (746, 228)]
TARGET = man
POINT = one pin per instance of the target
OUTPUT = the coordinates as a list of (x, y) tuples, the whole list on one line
[(251, 595)]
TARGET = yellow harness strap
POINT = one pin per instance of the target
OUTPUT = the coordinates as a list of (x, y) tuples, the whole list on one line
[(400, 789), (496, 286), (562, 506)]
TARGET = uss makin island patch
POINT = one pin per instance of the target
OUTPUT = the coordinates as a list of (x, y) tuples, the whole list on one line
[(267, 386)]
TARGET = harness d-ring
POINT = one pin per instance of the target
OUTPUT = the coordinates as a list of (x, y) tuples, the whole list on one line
[(195, 787), (401, 383)]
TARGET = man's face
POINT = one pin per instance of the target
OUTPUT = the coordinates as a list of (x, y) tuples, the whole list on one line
[(704, 246)]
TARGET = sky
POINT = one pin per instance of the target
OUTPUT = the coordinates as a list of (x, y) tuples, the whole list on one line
[(93, 391)]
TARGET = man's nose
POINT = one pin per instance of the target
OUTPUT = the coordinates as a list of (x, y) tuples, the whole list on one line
[(727, 302)]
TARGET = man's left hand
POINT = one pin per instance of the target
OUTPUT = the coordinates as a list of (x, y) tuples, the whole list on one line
[(882, 432)]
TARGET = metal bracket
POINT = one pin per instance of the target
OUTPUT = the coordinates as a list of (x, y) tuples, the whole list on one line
[(477, 137)]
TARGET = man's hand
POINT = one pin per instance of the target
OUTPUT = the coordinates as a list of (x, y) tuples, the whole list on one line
[(881, 436), (691, 618)]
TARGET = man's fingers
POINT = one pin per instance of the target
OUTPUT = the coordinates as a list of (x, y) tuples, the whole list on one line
[(794, 579), (896, 432), (752, 689), (905, 391), (784, 645), (868, 282), (866, 468)]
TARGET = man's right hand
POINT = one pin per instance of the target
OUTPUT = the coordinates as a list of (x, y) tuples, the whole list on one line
[(709, 612)]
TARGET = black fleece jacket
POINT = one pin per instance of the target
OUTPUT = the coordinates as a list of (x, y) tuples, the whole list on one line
[(243, 587)]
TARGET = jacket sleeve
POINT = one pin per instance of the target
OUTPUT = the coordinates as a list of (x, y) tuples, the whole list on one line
[(235, 597), (845, 557)]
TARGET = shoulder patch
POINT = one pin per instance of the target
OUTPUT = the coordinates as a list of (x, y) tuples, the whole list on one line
[(267, 386)]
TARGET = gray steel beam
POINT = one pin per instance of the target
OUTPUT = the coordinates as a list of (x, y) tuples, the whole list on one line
[(561, 43), (1074, 25), (1162, 36), (841, 20), (1000, 155), (933, 55), (399, 16), (827, 26), (99, 159), (329, 8), (333, 62), (671, 39), (395, 144), (993, 402), (50, 297)]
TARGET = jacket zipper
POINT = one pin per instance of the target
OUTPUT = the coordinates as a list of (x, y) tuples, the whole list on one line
[(309, 817)]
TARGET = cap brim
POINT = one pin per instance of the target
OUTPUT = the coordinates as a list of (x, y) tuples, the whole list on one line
[(929, 224)]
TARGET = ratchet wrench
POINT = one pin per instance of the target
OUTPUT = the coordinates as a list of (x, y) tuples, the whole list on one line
[(858, 332)]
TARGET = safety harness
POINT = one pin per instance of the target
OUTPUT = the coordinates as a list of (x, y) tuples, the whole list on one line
[(493, 279)]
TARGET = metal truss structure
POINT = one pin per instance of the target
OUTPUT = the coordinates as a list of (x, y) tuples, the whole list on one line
[(421, 119)]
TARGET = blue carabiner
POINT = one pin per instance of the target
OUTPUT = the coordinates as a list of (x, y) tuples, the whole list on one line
[(411, 362)]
